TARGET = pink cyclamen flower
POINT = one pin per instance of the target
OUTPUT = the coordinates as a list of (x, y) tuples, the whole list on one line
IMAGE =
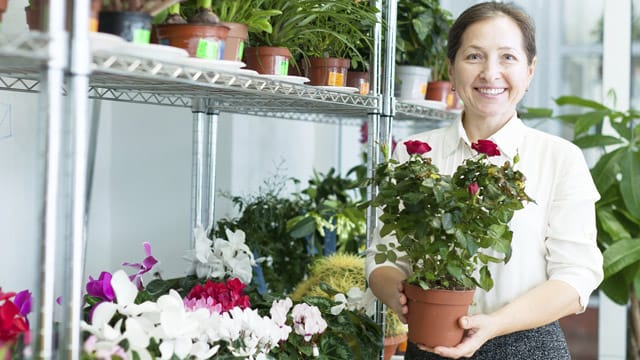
[(307, 321), (101, 288), (473, 188), (143, 267), (417, 147), (487, 147)]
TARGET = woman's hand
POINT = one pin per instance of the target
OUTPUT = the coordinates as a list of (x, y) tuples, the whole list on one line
[(478, 330), (386, 284)]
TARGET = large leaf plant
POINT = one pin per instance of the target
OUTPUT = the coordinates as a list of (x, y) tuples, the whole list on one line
[(617, 176)]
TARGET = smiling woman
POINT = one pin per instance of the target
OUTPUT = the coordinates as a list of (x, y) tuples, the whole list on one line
[(555, 263)]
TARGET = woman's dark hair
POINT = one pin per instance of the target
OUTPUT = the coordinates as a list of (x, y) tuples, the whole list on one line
[(489, 10)]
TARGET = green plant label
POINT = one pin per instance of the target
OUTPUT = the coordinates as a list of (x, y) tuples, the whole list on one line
[(207, 49), (141, 36), (240, 51), (283, 66)]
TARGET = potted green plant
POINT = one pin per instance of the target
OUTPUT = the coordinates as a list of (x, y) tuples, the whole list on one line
[(342, 40), (421, 45), (331, 219), (615, 174), (194, 26), (448, 229), (263, 217), (36, 8), (130, 19), (242, 18)]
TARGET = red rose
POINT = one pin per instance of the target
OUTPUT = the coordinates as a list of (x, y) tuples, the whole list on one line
[(417, 147), (486, 147), (473, 188)]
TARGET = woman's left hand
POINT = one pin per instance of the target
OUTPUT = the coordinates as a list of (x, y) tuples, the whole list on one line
[(478, 330)]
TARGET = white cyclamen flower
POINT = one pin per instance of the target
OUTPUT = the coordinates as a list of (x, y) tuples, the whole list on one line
[(307, 321)]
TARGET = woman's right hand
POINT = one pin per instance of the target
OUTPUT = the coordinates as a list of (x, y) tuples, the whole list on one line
[(386, 284)]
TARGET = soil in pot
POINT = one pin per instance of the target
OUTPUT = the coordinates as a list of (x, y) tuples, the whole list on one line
[(200, 40), (268, 60), (130, 25), (434, 313), (359, 80), (235, 41), (328, 71)]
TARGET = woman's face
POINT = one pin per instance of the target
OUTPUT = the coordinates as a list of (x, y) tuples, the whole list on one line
[(491, 72)]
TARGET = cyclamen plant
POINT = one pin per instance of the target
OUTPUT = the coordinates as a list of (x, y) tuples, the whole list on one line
[(448, 227), (200, 316), (15, 334)]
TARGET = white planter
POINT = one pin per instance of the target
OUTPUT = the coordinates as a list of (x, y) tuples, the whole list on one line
[(411, 82)]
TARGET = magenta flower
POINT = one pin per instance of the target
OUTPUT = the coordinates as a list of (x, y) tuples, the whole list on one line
[(143, 267), (101, 288), (486, 147), (473, 188), (23, 301), (417, 147)]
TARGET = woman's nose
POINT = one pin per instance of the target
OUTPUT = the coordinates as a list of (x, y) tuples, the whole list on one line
[(491, 70)]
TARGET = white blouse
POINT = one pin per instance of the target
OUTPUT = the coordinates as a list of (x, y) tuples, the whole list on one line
[(553, 238)]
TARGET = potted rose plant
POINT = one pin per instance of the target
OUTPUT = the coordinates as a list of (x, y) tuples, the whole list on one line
[(448, 227)]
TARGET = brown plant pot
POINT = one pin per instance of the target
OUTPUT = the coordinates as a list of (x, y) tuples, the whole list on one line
[(434, 313), (132, 26), (360, 80), (34, 13), (235, 42), (441, 91), (268, 60), (328, 71), (3, 7), (391, 344), (200, 40)]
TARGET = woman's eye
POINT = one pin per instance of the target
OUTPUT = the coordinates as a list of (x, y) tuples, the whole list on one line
[(473, 57), (509, 57)]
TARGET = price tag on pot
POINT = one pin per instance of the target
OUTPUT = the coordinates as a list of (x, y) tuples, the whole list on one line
[(207, 49), (335, 79), (141, 36)]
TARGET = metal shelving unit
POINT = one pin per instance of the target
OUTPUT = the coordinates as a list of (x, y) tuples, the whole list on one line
[(35, 62)]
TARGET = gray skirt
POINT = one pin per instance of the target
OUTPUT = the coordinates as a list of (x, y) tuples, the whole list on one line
[(543, 343)]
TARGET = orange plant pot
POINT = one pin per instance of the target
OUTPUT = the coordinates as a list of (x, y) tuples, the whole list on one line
[(200, 40), (268, 60), (434, 313), (328, 71)]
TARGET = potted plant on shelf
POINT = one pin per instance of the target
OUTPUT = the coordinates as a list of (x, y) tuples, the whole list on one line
[(448, 228), (130, 19), (36, 8), (421, 41), (342, 37), (615, 174), (194, 26)]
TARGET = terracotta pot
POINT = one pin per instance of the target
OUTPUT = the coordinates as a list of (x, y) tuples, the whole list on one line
[(235, 42), (268, 60), (391, 345), (360, 80), (328, 71), (204, 41), (3, 7), (132, 26), (34, 12), (434, 313), (441, 91)]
